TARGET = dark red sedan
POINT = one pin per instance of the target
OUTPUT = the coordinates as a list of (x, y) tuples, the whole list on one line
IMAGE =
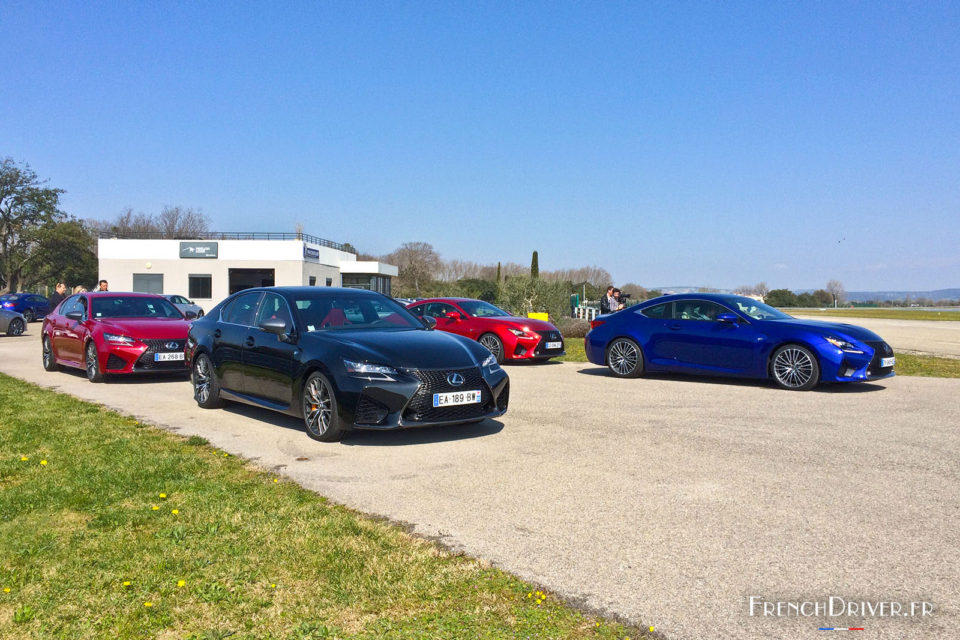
[(115, 333), (507, 337)]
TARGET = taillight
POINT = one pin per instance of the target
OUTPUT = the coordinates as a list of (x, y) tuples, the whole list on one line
[(596, 323)]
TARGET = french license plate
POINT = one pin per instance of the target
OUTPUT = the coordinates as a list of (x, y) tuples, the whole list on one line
[(554, 345), (165, 357), (888, 362), (455, 398)]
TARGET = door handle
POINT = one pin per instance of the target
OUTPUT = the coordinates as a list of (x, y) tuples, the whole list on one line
[(674, 327), (216, 333), (250, 341)]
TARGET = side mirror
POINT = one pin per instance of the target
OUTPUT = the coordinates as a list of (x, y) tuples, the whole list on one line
[(428, 321), (276, 326), (453, 315), (190, 314), (728, 318), (76, 316)]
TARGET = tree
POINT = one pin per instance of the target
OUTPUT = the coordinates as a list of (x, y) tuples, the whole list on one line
[(761, 289), (535, 266), (498, 273), (65, 252), (417, 263), (180, 223), (835, 287), (822, 298), (781, 298), (26, 205)]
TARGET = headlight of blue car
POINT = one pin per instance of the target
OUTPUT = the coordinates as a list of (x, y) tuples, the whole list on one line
[(843, 345)]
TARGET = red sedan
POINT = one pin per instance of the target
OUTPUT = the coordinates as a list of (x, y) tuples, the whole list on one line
[(507, 337), (115, 333)]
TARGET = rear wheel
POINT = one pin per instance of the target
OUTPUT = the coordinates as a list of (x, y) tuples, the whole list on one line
[(494, 344), (93, 363), (625, 358), (320, 409), (200, 313), (206, 387), (16, 327), (795, 368), (49, 360), (28, 315)]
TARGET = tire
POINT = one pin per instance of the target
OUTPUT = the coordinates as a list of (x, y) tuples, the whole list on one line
[(92, 362), (320, 416), (494, 344), (49, 359), (625, 358), (29, 316), (16, 327), (206, 387), (795, 368), (200, 313)]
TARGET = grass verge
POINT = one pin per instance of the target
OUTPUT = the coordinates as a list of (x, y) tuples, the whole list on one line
[(907, 364), (112, 529), (879, 312)]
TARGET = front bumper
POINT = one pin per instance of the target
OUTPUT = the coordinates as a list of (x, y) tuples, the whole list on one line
[(534, 347), (843, 366), (407, 400), (140, 357)]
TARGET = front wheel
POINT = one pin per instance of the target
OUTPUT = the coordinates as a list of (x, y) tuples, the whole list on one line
[(28, 315), (93, 363), (625, 358), (49, 360), (16, 327), (206, 387), (320, 409), (795, 368), (494, 344)]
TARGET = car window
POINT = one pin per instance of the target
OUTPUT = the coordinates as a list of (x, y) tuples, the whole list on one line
[(242, 310), (179, 300), (438, 309), (274, 307), (703, 310), (758, 310), (661, 311), (71, 304), (37, 299), (133, 307), (481, 309), (328, 312)]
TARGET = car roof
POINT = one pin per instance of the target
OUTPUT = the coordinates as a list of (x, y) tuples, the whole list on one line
[(714, 297), (106, 294), (448, 300)]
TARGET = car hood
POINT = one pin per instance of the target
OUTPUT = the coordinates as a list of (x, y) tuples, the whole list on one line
[(535, 325), (825, 328), (412, 349), (147, 327)]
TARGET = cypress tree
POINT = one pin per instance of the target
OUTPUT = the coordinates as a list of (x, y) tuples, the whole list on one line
[(498, 273), (535, 266)]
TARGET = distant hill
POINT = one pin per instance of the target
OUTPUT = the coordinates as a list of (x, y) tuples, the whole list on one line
[(855, 296)]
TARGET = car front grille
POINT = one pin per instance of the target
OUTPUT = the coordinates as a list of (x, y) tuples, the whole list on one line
[(369, 411), (115, 362), (548, 336), (421, 409), (146, 362), (881, 350)]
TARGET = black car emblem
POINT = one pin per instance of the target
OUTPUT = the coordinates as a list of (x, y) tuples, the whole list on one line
[(172, 345), (455, 379)]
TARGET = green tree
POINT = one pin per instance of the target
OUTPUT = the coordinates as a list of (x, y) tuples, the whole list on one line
[(822, 298), (26, 205), (65, 251), (781, 298), (535, 266), (522, 295), (477, 288), (499, 279)]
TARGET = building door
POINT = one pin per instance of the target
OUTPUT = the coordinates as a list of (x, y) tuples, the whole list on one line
[(240, 279)]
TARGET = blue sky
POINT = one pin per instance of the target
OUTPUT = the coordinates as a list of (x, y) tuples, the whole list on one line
[(673, 143)]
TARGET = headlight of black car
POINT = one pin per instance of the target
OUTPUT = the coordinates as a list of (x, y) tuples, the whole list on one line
[(490, 364), (369, 371)]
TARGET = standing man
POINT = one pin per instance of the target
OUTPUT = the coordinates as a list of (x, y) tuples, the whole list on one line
[(607, 300), (59, 294), (102, 286)]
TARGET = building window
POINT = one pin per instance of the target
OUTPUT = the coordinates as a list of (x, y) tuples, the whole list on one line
[(200, 286), (313, 281), (329, 282), (148, 282)]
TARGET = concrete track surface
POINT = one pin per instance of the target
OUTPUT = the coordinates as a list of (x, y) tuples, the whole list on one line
[(935, 338), (666, 500)]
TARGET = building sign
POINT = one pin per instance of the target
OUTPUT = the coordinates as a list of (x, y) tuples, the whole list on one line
[(309, 253), (198, 249)]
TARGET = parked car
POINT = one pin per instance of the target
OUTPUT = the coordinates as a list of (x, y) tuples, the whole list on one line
[(33, 306), (506, 336), (188, 307), (717, 334), (340, 359), (12, 323), (115, 333)]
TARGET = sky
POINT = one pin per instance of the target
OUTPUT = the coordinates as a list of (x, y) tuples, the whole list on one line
[(672, 143)]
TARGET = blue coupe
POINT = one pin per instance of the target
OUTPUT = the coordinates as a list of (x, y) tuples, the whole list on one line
[(715, 334), (33, 306)]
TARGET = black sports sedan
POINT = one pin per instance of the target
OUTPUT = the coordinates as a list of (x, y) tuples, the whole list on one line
[(340, 359)]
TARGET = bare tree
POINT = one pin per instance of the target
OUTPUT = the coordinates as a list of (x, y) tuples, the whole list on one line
[(761, 289), (177, 222), (835, 287), (418, 263)]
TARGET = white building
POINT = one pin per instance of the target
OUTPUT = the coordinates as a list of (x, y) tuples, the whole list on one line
[(207, 270)]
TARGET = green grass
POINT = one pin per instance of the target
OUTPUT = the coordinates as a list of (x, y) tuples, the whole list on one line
[(907, 364), (885, 313), (87, 540)]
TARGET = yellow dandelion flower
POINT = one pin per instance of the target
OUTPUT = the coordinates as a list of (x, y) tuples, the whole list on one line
[(24, 458), (273, 585), (155, 508), (530, 595), (651, 629), (175, 511), (180, 583), (6, 589), (43, 462), (226, 455), (148, 604), (275, 480), (163, 496)]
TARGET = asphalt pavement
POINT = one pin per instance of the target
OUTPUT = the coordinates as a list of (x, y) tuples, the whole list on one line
[(927, 337), (666, 500)]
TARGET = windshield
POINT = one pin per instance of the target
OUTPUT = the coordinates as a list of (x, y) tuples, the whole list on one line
[(758, 310), (346, 311), (133, 307), (10, 296), (481, 309)]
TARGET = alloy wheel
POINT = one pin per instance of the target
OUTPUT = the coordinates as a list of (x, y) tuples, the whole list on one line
[(793, 367), (16, 327), (317, 406), (47, 353), (201, 380), (623, 357), (491, 342), (93, 367)]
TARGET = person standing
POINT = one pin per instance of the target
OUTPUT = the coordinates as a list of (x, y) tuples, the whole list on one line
[(103, 286), (60, 292), (607, 303), (616, 305)]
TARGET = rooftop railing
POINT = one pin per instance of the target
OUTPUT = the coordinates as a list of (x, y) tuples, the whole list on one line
[(226, 235)]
